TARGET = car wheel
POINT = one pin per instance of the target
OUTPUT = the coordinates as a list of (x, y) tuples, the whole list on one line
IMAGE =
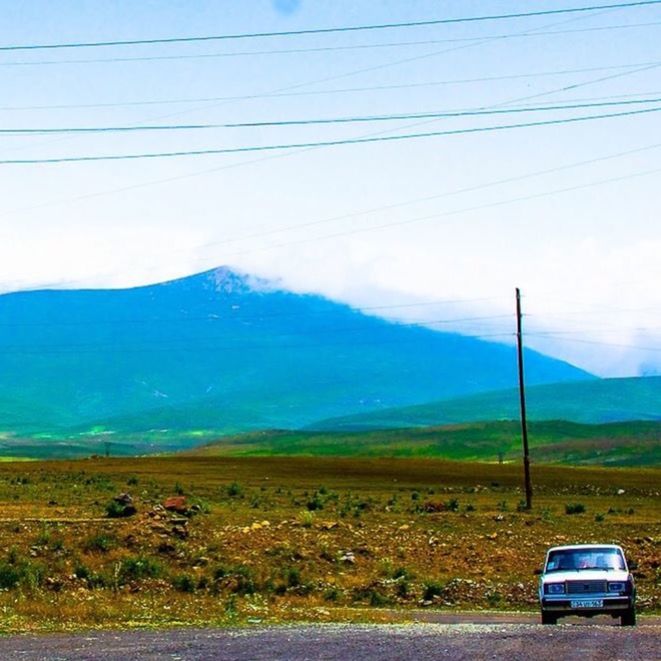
[(628, 618), (549, 618)]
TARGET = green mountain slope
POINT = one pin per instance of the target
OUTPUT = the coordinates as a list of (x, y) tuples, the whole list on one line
[(607, 400)]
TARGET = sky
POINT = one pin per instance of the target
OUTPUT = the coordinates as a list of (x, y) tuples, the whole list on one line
[(447, 226)]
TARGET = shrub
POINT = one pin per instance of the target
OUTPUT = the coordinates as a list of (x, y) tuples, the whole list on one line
[(332, 594), (599, 518), (23, 572), (234, 490), (184, 583), (306, 519), (315, 503), (378, 599), (140, 567), (432, 589), (10, 576), (574, 508), (100, 543), (117, 510), (132, 481), (293, 577)]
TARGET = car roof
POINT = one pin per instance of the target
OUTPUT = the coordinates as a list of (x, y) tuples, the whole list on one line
[(578, 547)]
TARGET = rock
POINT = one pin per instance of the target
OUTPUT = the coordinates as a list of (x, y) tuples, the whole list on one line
[(180, 532), (620, 492), (176, 504), (124, 499), (166, 548), (125, 506), (348, 558)]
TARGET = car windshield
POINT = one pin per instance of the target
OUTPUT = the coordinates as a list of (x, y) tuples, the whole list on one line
[(592, 558)]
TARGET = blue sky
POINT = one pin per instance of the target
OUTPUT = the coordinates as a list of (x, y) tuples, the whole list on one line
[(368, 223)]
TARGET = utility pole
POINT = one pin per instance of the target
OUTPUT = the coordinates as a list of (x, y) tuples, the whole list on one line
[(522, 399)]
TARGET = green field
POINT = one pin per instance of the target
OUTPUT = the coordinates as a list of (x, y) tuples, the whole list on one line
[(616, 444), (635, 443)]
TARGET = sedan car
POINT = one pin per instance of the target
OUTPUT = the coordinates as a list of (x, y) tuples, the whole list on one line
[(587, 580)]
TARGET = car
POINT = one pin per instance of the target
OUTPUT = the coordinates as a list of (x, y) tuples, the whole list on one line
[(587, 580)]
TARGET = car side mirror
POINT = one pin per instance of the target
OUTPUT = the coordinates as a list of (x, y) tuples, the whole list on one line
[(537, 572), (632, 564)]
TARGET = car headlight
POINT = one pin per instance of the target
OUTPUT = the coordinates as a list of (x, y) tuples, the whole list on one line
[(555, 588), (618, 586)]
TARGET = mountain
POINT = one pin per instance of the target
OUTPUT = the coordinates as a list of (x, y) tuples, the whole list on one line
[(596, 401), (227, 351)]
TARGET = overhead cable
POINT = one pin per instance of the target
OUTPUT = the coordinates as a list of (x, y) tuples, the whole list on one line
[(329, 30)]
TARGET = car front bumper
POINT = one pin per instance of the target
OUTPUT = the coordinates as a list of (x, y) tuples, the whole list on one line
[(564, 604)]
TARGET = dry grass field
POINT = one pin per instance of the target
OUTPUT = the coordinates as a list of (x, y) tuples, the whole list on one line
[(271, 539)]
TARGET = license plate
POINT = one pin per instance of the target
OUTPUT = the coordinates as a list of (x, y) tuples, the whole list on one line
[(592, 603)]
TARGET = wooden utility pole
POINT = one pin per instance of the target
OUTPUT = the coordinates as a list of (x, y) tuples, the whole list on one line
[(522, 398)]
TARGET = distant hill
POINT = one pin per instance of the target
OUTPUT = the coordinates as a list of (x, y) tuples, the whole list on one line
[(596, 401), (615, 444), (228, 352)]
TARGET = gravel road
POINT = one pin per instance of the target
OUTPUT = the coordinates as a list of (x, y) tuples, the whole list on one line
[(472, 639)]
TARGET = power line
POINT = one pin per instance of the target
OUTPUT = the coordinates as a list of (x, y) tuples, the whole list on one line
[(213, 317), (186, 347), (310, 31), (606, 344), (323, 49), (346, 90), (329, 143), (455, 212), (440, 114), (428, 198)]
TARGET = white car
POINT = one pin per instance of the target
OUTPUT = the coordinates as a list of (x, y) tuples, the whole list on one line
[(587, 580)]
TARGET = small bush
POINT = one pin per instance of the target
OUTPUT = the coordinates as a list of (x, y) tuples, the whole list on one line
[(184, 583), (315, 503), (332, 594), (378, 599), (117, 510), (234, 490), (599, 518), (132, 481), (10, 576), (401, 572), (139, 568), (100, 543), (574, 508), (306, 519), (432, 589), (293, 577)]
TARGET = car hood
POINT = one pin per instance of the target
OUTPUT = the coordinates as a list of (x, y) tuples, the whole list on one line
[(586, 575)]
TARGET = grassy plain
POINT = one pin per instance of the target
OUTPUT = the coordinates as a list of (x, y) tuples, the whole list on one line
[(558, 441), (295, 538)]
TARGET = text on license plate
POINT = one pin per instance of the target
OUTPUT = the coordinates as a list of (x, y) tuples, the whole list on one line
[(584, 603)]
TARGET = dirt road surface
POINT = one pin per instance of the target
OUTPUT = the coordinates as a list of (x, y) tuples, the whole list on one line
[(460, 638)]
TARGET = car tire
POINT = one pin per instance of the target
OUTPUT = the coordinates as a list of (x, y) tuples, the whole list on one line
[(549, 618), (628, 618)]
